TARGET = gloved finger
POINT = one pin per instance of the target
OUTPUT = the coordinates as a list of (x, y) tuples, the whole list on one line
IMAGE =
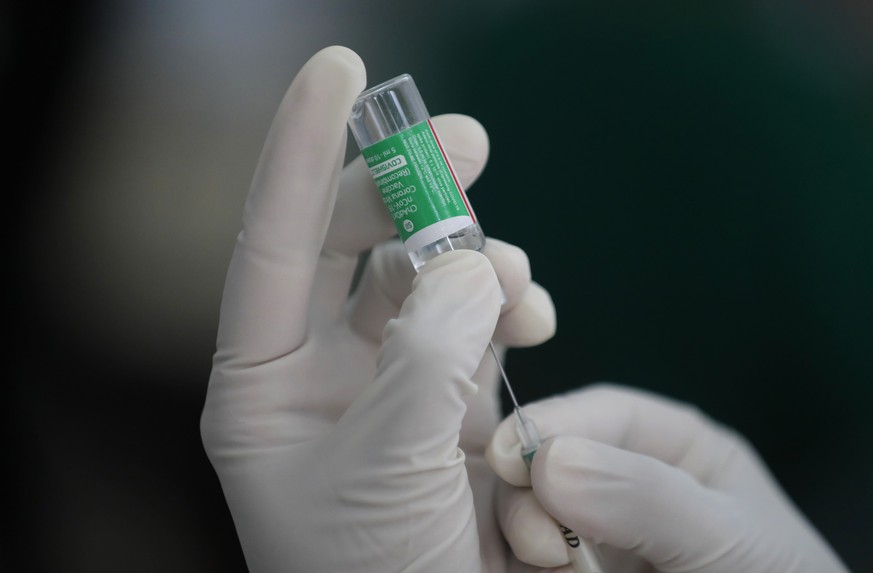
[(675, 433), (530, 322), (636, 503), (399, 439), (386, 283), (433, 348), (532, 534), (526, 526), (527, 315), (360, 219), (270, 278)]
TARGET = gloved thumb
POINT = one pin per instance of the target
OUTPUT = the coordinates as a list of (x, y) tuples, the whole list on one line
[(428, 356), (397, 444), (640, 504)]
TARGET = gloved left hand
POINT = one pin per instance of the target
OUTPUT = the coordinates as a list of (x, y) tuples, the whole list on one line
[(337, 444)]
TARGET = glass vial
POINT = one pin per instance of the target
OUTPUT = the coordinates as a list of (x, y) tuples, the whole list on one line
[(412, 172)]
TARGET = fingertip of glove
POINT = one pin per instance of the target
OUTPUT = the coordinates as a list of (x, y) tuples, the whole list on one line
[(512, 267), (455, 299), (463, 127), (341, 63), (530, 322), (467, 144), (470, 272), (342, 53), (503, 454), (530, 531), (542, 308), (462, 263)]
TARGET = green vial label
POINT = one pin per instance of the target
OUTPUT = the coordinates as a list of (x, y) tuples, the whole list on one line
[(417, 184)]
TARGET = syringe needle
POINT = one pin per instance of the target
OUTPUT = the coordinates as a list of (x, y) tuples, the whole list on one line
[(503, 374)]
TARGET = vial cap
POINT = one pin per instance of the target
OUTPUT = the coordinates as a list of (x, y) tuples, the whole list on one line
[(386, 109)]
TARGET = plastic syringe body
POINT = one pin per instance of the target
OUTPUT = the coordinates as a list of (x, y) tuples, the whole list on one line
[(584, 555)]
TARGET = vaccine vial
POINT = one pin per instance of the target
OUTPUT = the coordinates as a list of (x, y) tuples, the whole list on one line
[(412, 171)]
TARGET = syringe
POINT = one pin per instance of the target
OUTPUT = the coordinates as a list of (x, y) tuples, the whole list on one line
[(584, 555)]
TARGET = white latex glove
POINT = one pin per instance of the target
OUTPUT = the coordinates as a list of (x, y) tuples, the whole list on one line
[(655, 481), (334, 421)]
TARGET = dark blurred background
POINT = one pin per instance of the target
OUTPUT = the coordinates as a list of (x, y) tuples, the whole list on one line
[(693, 183)]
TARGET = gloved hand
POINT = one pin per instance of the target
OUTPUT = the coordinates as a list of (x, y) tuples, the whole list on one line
[(655, 481), (334, 421)]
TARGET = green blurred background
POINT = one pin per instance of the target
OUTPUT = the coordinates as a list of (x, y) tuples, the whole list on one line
[(693, 183)]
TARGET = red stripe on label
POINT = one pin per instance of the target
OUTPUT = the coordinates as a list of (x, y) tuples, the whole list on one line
[(452, 171)]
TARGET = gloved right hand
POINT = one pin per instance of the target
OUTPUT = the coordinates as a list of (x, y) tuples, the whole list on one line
[(659, 485)]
